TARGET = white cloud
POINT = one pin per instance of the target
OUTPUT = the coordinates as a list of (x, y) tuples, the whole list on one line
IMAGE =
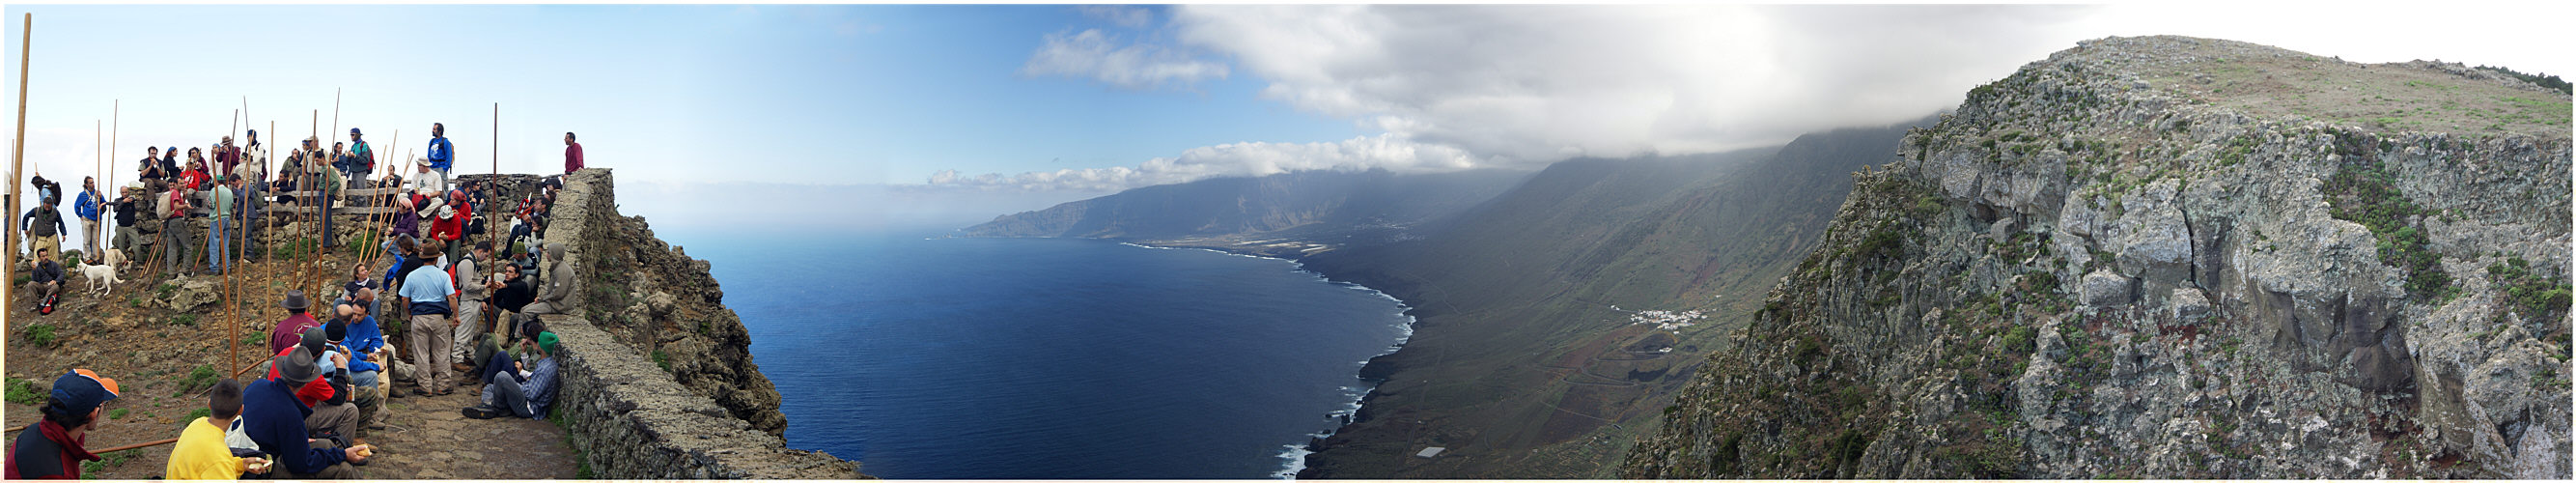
[(1385, 151), (1100, 56), (1542, 83), (1119, 15), (1524, 85)]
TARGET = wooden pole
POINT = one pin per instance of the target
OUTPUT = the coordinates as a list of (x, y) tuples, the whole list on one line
[(18, 159), (108, 175), (315, 228)]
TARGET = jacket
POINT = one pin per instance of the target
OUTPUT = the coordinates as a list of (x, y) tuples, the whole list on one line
[(290, 330), (558, 283), (441, 153), (46, 451), (275, 419), (363, 340), (88, 205), (48, 271)]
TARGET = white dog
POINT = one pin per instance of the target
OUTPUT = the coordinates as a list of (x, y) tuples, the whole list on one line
[(101, 277), (115, 257)]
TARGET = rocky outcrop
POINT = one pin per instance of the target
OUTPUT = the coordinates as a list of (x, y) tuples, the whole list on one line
[(630, 420), (659, 379), (2169, 257)]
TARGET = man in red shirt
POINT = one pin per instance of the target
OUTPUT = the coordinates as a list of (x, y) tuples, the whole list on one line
[(572, 154), (291, 329)]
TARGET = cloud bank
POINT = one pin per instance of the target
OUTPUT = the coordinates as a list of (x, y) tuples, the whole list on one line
[(1455, 87)]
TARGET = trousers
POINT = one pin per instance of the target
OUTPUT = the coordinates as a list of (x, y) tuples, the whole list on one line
[(429, 341)]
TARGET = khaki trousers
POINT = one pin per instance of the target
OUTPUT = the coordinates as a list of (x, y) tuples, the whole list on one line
[(430, 336)]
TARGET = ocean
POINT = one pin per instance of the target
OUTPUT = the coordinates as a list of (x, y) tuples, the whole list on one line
[(942, 358)]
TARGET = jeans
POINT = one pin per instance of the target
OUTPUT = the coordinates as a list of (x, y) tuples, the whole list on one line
[(504, 391), (218, 243)]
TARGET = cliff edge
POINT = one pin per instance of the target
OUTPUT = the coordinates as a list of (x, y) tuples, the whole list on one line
[(2172, 257)]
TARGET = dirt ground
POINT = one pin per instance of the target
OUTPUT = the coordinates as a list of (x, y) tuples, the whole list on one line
[(152, 351)]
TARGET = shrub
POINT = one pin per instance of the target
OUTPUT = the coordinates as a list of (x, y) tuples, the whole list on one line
[(662, 359), (2365, 193), (204, 376), (27, 392)]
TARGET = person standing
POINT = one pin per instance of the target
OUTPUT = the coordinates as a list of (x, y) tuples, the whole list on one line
[(52, 448), (227, 158), (174, 228), (219, 257), (44, 227), (572, 154), (362, 160), (126, 206), (473, 294), (431, 294), (255, 158), (442, 155), (88, 210)]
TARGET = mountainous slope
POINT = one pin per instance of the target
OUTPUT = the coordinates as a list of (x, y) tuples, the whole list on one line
[(2171, 257), (1307, 205), (1526, 360)]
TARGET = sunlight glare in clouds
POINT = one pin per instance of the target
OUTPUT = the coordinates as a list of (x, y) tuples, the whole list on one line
[(1451, 87)]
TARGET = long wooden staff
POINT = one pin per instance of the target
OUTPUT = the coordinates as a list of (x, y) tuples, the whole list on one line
[(379, 223), (108, 172)]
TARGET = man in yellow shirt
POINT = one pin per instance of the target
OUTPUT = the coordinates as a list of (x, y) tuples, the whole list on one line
[(201, 453)]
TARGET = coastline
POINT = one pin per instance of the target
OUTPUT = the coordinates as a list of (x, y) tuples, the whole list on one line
[(1296, 454)]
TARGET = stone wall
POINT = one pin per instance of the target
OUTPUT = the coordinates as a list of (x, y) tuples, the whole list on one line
[(630, 417)]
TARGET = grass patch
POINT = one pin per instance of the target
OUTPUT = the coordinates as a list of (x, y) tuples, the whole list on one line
[(23, 391), (184, 319), (40, 335), (193, 414), (118, 413), (662, 359), (204, 376)]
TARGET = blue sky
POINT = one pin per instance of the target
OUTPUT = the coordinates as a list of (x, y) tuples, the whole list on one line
[(874, 115)]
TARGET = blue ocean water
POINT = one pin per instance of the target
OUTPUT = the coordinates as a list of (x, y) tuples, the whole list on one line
[(1049, 358)]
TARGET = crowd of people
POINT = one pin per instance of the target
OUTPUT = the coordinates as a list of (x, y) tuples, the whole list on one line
[(468, 298)]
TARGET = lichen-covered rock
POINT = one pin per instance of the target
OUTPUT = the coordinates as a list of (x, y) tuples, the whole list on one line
[(2104, 288)]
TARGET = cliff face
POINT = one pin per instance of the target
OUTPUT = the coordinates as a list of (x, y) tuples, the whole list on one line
[(652, 296), (2171, 257)]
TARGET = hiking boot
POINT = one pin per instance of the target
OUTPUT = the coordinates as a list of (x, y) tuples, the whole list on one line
[(461, 367), (482, 412)]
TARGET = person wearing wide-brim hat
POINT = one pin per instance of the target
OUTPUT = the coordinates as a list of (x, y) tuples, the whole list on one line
[(274, 418), (287, 329), (426, 177), (52, 447)]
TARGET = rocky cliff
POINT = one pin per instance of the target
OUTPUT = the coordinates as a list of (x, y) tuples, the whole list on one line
[(2173, 257)]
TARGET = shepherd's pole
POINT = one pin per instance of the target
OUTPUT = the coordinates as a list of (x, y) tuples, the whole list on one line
[(18, 158)]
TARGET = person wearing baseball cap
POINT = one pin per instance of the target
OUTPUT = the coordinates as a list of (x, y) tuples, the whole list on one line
[(51, 448), (275, 420)]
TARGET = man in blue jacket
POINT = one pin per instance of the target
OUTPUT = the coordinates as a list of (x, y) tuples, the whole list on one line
[(442, 155), (87, 209), (274, 419)]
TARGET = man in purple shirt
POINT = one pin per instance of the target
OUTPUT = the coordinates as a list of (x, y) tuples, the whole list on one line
[(572, 154)]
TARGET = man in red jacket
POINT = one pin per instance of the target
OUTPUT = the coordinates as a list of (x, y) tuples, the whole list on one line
[(52, 448)]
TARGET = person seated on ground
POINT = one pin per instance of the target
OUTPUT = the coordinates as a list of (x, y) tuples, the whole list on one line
[(201, 453), (490, 344), (289, 328), (314, 393), (356, 334), (520, 388), (275, 420), (46, 280), (52, 448)]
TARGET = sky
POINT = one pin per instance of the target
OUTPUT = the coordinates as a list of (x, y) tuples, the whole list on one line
[(869, 116)]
